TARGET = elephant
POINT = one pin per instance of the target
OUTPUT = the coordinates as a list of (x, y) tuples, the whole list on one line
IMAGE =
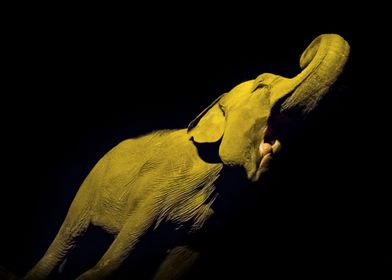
[(165, 176)]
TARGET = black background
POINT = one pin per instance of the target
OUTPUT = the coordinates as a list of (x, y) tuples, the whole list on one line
[(77, 84)]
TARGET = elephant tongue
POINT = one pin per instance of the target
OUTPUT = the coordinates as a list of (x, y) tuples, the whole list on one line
[(265, 148)]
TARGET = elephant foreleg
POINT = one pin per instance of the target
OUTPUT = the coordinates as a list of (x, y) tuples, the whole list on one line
[(75, 224), (177, 263), (136, 225)]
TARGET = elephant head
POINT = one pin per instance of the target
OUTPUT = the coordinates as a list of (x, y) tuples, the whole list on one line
[(239, 120)]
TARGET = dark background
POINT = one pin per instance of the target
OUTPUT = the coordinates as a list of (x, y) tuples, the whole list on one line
[(80, 83)]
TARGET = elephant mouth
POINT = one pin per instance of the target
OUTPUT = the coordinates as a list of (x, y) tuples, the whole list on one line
[(267, 151), (268, 148), (280, 126)]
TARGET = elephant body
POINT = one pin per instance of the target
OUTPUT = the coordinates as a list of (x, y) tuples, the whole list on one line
[(170, 176), (138, 184), (144, 169)]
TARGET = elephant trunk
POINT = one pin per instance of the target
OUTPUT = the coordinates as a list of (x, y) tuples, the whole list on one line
[(322, 61)]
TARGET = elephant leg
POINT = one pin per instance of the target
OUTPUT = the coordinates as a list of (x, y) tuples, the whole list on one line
[(136, 225), (75, 224), (177, 263), (63, 243)]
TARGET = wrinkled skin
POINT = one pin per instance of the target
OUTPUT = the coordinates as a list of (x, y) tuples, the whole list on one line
[(160, 177)]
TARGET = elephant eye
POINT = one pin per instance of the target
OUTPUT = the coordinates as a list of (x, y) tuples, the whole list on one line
[(261, 86), (222, 107)]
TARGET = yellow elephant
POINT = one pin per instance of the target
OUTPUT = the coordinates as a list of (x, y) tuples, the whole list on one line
[(163, 176)]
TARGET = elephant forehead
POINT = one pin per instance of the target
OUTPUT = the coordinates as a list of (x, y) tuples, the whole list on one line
[(267, 78), (278, 86)]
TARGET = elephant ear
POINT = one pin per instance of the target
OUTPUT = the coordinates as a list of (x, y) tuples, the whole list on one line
[(209, 125)]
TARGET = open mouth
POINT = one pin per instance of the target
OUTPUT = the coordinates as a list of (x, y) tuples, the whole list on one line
[(267, 149), (269, 146), (279, 127)]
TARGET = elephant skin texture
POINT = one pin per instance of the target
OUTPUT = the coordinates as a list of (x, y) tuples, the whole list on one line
[(170, 176)]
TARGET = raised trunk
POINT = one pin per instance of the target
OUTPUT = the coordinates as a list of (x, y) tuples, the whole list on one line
[(322, 61)]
